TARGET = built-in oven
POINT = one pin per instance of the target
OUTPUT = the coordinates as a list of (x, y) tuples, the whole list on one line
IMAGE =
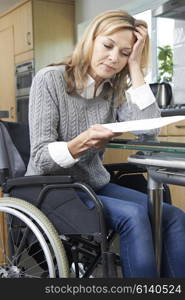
[(24, 75), (22, 109)]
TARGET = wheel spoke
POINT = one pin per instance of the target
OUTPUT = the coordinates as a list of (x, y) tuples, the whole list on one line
[(29, 261)]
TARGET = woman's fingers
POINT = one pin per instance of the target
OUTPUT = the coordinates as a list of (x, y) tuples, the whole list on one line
[(142, 30), (96, 137), (99, 132), (99, 136), (141, 34)]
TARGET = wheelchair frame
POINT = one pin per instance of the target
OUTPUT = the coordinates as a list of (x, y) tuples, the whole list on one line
[(95, 252), (101, 251)]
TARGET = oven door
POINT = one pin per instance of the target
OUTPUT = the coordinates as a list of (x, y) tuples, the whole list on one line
[(22, 109), (23, 83)]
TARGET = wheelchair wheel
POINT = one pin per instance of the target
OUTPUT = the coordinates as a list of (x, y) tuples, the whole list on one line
[(27, 235)]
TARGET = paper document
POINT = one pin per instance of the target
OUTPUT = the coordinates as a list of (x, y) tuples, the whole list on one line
[(145, 124)]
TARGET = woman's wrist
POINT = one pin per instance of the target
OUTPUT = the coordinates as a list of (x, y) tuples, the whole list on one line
[(77, 146), (136, 75), (73, 149)]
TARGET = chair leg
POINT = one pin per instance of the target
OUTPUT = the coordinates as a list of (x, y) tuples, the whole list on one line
[(109, 265), (74, 253)]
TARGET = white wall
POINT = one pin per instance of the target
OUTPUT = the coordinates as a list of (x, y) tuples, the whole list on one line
[(179, 62), (88, 9)]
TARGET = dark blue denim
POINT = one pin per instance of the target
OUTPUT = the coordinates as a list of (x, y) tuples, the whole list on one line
[(126, 212)]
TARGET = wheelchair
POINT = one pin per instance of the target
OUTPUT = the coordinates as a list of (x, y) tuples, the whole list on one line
[(46, 234)]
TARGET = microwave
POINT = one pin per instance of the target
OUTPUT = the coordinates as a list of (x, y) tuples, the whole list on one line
[(24, 74)]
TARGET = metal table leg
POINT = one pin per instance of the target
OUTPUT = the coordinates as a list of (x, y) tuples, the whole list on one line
[(155, 193), (169, 169)]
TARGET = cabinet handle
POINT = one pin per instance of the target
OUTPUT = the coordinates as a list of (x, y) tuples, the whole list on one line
[(180, 126), (12, 112), (28, 38)]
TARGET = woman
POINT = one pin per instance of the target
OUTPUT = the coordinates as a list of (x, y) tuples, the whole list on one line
[(68, 104)]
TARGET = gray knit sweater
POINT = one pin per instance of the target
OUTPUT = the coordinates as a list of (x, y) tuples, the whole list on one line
[(55, 115)]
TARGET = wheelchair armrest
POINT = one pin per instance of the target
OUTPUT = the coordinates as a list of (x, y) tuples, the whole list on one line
[(127, 168), (37, 180)]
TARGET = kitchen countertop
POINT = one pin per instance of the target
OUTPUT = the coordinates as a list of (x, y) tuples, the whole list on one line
[(173, 111), (4, 113)]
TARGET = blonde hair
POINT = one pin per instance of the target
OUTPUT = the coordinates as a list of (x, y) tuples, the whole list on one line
[(78, 63)]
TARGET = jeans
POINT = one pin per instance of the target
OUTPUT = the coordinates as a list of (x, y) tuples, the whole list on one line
[(126, 212)]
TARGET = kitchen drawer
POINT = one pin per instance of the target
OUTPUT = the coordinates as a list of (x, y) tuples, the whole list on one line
[(163, 131), (177, 129), (176, 139)]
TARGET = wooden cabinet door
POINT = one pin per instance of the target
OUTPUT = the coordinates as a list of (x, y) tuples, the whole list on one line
[(177, 129), (53, 31), (23, 31), (7, 73)]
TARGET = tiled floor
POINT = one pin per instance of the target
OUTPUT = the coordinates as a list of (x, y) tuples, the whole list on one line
[(30, 262)]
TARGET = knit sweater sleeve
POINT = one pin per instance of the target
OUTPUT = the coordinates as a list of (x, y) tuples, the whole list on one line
[(130, 110), (43, 120)]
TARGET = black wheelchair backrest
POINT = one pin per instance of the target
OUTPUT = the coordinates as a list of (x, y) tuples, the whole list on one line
[(14, 148)]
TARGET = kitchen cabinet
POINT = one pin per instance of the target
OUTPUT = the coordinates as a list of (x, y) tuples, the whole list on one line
[(7, 81), (53, 31), (23, 31), (177, 129), (39, 30)]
